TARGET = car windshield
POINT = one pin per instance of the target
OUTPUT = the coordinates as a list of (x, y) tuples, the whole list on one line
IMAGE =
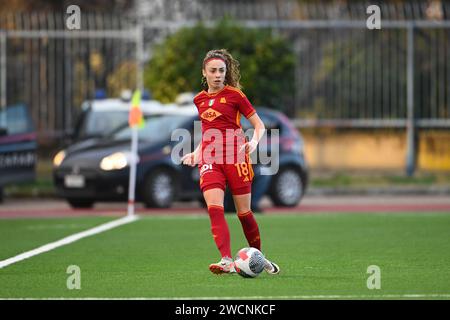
[(269, 121), (156, 127), (101, 123), (15, 119)]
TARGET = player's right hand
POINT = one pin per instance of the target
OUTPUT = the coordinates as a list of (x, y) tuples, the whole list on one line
[(189, 159)]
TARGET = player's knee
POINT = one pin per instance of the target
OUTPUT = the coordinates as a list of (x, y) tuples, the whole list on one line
[(242, 210), (214, 197), (242, 203)]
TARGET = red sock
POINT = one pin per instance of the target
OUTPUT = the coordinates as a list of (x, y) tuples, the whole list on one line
[(251, 229), (219, 229)]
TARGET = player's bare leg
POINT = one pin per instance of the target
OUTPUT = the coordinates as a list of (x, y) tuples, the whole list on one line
[(242, 202), (214, 197)]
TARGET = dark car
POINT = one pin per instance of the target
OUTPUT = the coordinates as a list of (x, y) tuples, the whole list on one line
[(81, 176), (284, 186), (17, 146)]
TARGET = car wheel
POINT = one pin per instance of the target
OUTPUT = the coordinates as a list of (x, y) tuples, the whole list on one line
[(159, 189), (80, 203), (286, 188)]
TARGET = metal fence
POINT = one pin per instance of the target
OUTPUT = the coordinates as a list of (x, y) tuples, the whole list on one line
[(53, 69), (348, 75), (176, 11)]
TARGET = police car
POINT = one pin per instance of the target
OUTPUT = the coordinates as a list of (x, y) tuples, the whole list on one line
[(100, 116), (17, 146)]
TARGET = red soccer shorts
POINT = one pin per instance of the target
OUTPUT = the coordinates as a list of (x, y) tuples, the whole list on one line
[(238, 176)]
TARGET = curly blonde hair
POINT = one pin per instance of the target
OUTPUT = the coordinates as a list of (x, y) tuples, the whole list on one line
[(232, 75)]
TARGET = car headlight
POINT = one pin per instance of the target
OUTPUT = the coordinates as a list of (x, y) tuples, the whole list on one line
[(167, 150), (59, 157), (116, 161)]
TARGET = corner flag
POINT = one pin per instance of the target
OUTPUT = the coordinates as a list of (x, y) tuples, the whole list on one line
[(135, 118)]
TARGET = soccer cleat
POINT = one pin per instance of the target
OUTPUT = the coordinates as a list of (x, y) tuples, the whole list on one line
[(271, 267), (225, 265)]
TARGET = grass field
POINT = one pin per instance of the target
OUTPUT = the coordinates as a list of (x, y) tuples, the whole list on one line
[(321, 256)]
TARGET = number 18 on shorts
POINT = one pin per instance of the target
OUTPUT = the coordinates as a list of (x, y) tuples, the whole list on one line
[(239, 177)]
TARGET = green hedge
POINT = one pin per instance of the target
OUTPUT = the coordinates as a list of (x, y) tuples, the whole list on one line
[(266, 61)]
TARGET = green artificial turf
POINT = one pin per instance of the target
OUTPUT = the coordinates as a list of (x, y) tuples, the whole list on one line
[(168, 257)]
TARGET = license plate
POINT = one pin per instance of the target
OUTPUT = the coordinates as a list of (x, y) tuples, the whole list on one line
[(74, 181)]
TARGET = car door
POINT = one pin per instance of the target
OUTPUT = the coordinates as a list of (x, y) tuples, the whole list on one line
[(273, 131), (17, 145), (190, 175)]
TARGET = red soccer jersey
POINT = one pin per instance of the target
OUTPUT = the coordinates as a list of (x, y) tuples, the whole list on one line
[(221, 111)]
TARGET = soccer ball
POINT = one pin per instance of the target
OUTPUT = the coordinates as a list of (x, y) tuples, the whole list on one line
[(249, 262)]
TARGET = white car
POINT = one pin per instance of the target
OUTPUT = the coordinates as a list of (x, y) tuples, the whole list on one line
[(100, 117)]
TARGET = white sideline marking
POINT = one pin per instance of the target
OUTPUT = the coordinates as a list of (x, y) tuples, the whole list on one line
[(312, 297), (67, 240)]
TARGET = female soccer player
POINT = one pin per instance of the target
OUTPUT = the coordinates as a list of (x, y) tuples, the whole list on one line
[(223, 155)]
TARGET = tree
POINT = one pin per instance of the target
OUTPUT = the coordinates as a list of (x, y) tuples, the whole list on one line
[(267, 62)]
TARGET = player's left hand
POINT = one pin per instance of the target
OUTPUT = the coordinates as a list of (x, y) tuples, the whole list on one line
[(249, 146)]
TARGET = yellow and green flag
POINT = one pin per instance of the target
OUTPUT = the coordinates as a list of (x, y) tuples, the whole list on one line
[(135, 118)]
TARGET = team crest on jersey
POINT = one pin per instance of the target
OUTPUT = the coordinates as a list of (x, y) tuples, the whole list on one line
[(211, 102), (210, 114), (223, 100)]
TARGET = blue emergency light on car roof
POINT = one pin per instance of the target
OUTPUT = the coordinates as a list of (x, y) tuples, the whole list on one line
[(125, 95), (146, 95), (100, 94)]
